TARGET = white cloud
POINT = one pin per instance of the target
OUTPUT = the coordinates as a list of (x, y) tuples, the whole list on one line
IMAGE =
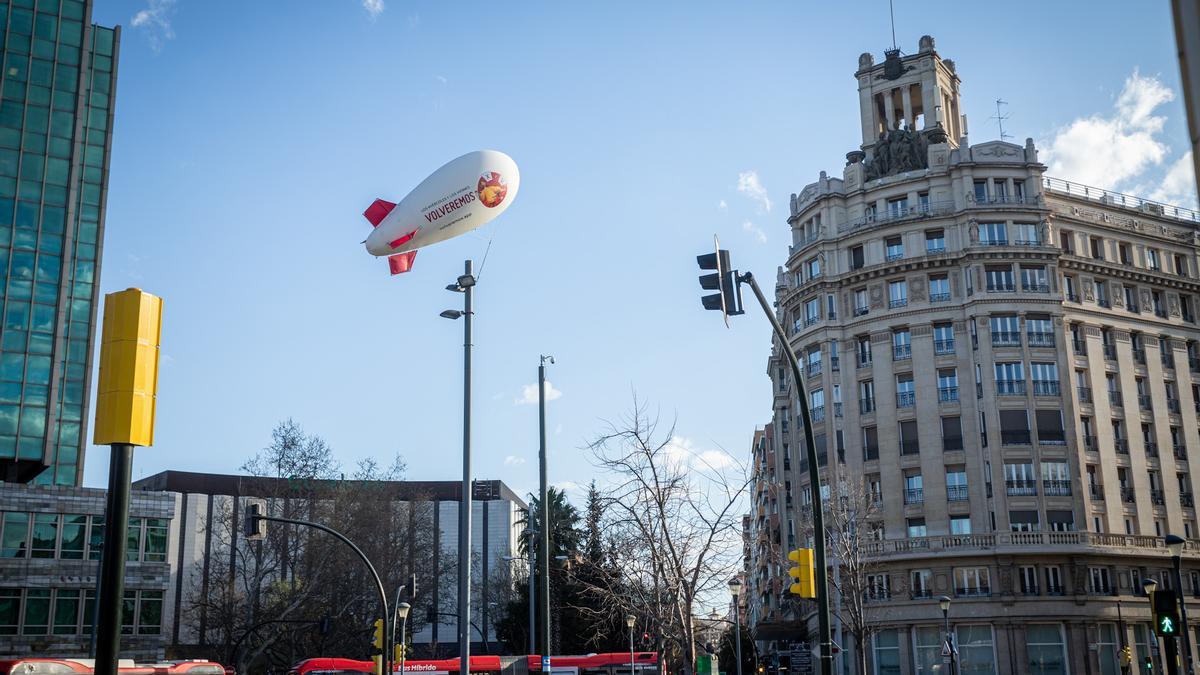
[(717, 459), (529, 394), (513, 460), (684, 451), (374, 8), (570, 486), (721, 205), (441, 78), (756, 231), (749, 185), (155, 20), (1178, 186), (1108, 150)]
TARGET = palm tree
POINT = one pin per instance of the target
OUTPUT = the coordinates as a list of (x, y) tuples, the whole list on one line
[(564, 522)]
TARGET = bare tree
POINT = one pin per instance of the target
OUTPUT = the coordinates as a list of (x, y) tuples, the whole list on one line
[(851, 514), (673, 522)]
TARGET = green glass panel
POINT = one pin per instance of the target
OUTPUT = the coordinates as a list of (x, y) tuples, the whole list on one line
[(74, 530), (68, 439), (50, 243), (20, 289), (27, 215), (36, 394), (10, 610), (96, 538), (72, 395), (20, 21), (93, 155), (17, 43), (33, 166), (6, 210), (91, 194), (37, 611), (10, 138), (134, 541), (41, 72), (25, 240), (103, 63), (72, 9), (8, 162), (85, 271), (11, 114), (33, 423), (59, 147), (93, 174), (22, 266), (102, 82), (48, 268), (12, 367), (14, 340), (45, 25), (103, 40), (100, 100), (128, 607), (44, 49), (56, 195), (14, 90), (43, 319), (34, 142), (8, 188), (37, 118), (16, 67), (43, 478), (37, 371), (66, 604), (8, 446), (45, 535), (64, 100), (10, 392), (30, 190), (150, 613), (13, 540), (31, 448), (75, 372), (53, 219), (62, 124), (70, 32), (65, 474), (68, 54), (38, 95), (156, 540), (41, 343), (66, 77), (77, 351)]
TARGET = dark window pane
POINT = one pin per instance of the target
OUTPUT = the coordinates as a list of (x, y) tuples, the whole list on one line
[(10, 610), (16, 526), (66, 612), (37, 611)]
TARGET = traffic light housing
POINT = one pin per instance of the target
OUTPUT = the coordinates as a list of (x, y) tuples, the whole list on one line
[(1126, 656), (377, 637), (728, 299), (1148, 664), (802, 572), (254, 528), (1166, 613), (398, 652)]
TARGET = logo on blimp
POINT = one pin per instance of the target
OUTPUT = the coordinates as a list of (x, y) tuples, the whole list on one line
[(492, 189)]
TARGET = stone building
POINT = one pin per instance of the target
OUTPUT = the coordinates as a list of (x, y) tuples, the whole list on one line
[(1009, 365)]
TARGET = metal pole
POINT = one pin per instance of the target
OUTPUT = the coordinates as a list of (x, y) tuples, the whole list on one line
[(631, 650), (737, 618), (544, 508), (532, 607), (950, 641), (403, 642), (814, 476), (1183, 622), (111, 588), (464, 505)]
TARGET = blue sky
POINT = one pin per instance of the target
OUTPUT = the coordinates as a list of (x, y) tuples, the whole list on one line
[(250, 136)]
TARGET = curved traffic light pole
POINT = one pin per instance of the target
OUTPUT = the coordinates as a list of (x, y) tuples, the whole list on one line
[(825, 637), (386, 657)]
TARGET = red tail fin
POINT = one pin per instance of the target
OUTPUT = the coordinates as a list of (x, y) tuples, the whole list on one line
[(378, 210), (401, 262)]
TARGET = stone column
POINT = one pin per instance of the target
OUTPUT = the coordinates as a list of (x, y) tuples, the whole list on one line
[(889, 108), (906, 95)]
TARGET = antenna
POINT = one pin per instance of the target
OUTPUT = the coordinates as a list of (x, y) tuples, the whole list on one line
[(1000, 118), (892, 12)]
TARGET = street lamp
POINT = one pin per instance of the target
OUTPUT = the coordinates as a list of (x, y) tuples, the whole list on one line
[(464, 284), (735, 589), (1175, 546), (402, 613), (944, 603), (629, 621)]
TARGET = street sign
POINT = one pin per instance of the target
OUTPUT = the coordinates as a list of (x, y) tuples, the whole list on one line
[(802, 659), (545, 664), (946, 649)]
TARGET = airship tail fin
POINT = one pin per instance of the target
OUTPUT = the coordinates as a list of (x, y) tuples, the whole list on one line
[(401, 262), (378, 210)]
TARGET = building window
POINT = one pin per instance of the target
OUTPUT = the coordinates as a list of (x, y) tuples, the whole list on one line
[(935, 241), (971, 581), (830, 307), (1034, 280), (1181, 266), (1024, 521), (943, 338), (857, 258), (993, 234), (887, 652), (1152, 260), (999, 278), (951, 434), (1050, 427), (1131, 294), (897, 294), (956, 484), (1056, 481), (947, 379), (980, 191), (960, 525), (1097, 247), (897, 208), (866, 396), (1039, 330), (1006, 330), (909, 443), (895, 248), (14, 539), (939, 288), (1019, 479), (864, 350), (922, 584), (1124, 255), (1053, 580), (812, 311), (812, 268), (916, 527), (1029, 580), (1098, 581), (901, 344), (906, 395), (976, 652), (1026, 234), (927, 648), (1066, 241), (1070, 289), (870, 444), (1045, 378), (1010, 378), (1046, 649), (878, 587)]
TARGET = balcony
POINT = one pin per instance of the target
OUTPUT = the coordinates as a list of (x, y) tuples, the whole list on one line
[(1008, 543), (864, 360), (1127, 495), (896, 303), (1186, 499), (914, 496), (1010, 387), (1056, 488), (1089, 442), (835, 363), (866, 405), (1139, 355), (1173, 405), (1036, 287), (1040, 339), (1180, 452), (1006, 339), (905, 399), (932, 248), (1018, 437), (1110, 352), (1114, 399), (1029, 590), (1001, 287), (994, 242), (920, 594), (1085, 394), (1045, 388), (814, 367), (956, 493), (1020, 488), (943, 346), (973, 592), (811, 321), (894, 256), (1121, 445), (901, 352), (861, 311), (1079, 347), (1144, 401), (1157, 498), (817, 413), (939, 297), (1072, 296), (1097, 492), (1052, 437), (1151, 448), (947, 394)]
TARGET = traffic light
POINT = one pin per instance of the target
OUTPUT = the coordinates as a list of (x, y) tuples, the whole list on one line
[(1126, 656), (1166, 613), (398, 653), (1148, 664), (377, 639), (729, 298), (254, 527), (802, 572)]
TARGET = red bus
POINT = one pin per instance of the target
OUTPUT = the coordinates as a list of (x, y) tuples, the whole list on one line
[(616, 663), (52, 666)]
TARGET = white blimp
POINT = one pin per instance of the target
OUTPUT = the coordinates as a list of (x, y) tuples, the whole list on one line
[(462, 195)]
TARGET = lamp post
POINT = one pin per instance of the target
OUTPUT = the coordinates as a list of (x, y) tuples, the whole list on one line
[(944, 603), (402, 613), (629, 621), (464, 284), (1149, 585), (1175, 545), (531, 576), (735, 589), (544, 507)]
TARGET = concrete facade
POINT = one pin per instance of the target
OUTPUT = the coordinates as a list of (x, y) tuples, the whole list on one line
[(1010, 363)]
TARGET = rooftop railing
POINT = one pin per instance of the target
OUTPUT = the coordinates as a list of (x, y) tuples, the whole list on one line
[(1103, 196)]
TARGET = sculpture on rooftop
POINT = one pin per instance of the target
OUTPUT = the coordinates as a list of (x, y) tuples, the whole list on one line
[(897, 151)]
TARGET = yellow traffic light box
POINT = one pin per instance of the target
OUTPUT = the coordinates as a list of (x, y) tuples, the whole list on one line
[(128, 380), (802, 572), (377, 636)]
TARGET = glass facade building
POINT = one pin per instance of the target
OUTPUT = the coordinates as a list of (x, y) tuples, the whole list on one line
[(57, 85)]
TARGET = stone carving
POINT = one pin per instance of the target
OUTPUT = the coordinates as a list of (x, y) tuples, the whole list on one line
[(916, 289), (855, 157), (973, 227), (1146, 306), (893, 67), (876, 294), (865, 60), (998, 150), (925, 44), (1006, 578), (1121, 335), (1118, 299), (1044, 232), (897, 151), (1086, 282), (1174, 305)]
